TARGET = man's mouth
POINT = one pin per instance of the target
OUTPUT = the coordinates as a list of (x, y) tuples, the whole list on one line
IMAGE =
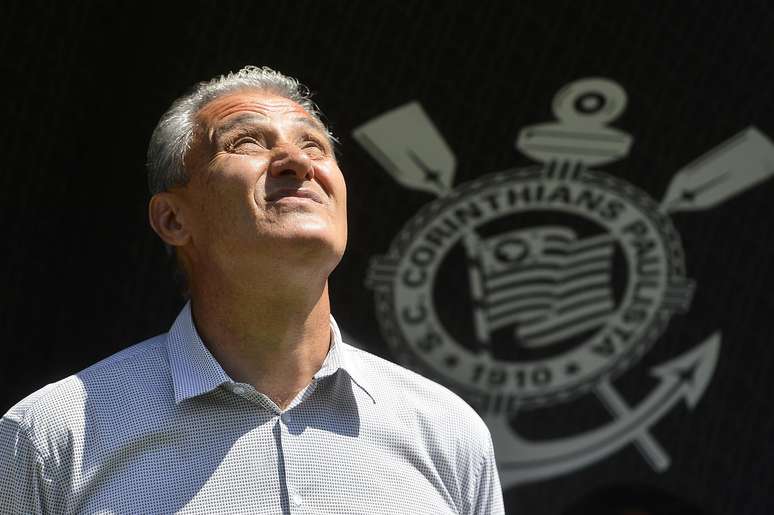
[(300, 193)]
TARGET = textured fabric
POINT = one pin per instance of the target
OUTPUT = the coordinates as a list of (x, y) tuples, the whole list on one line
[(161, 428)]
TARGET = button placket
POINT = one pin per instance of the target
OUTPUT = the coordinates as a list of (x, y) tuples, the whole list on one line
[(293, 466)]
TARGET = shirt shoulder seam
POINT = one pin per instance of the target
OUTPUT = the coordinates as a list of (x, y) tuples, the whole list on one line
[(113, 360), (53, 388), (24, 429)]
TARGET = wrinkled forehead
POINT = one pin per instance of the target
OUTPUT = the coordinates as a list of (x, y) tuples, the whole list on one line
[(242, 106)]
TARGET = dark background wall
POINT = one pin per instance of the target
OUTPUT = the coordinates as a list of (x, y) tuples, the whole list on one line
[(84, 276)]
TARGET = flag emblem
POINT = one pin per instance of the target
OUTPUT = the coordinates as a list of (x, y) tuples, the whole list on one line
[(546, 283)]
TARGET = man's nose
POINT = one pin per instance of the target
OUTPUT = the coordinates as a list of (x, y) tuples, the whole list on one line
[(291, 160)]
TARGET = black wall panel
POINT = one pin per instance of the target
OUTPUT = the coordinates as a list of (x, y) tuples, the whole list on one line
[(84, 276)]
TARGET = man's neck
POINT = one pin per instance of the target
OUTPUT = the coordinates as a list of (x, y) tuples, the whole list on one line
[(274, 338)]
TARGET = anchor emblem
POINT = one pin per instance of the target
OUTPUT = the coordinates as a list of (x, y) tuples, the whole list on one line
[(565, 276)]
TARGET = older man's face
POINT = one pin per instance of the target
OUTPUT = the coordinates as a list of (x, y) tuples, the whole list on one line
[(263, 182)]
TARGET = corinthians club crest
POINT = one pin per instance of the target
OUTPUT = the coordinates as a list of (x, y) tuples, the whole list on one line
[(556, 278)]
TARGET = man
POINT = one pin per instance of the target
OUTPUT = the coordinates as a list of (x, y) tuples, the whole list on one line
[(251, 403)]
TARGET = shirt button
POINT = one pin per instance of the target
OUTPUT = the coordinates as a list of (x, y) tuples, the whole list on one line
[(239, 390), (296, 499)]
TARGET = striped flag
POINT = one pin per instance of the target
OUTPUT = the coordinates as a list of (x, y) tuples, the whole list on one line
[(546, 282)]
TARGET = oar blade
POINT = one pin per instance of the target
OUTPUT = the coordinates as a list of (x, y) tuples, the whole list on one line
[(735, 166), (407, 144)]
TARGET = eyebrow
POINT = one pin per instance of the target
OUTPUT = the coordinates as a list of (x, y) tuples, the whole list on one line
[(311, 122), (252, 118), (243, 119)]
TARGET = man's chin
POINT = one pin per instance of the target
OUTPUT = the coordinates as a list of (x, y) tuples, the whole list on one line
[(307, 238)]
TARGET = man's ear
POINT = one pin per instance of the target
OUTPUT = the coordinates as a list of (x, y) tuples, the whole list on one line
[(166, 217)]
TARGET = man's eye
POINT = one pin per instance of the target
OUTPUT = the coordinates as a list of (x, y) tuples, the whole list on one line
[(314, 148), (245, 141)]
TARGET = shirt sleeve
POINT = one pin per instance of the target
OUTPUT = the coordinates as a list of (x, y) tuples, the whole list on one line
[(489, 495), (22, 482)]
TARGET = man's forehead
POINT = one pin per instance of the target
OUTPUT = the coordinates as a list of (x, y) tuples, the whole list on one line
[(245, 107)]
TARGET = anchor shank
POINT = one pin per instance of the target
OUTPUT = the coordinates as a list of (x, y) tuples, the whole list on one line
[(648, 446)]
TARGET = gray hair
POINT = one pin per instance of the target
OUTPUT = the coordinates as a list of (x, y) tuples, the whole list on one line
[(173, 136)]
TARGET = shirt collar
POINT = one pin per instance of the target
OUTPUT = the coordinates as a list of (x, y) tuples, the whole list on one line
[(341, 356), (195, 370)]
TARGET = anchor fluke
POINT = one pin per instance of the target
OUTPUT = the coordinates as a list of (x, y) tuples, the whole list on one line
[(693, 370)]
